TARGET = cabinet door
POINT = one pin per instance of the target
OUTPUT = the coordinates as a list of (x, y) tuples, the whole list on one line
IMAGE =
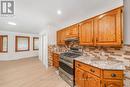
[(62, 36), (91, 80), (86, 32), (56, 64), (67, 32), (58, 37), (79, 77), (108, 28), (55, 60), (113, 83), (74, 31)]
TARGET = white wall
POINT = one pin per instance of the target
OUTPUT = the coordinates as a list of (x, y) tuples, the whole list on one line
[(12, 55), (127, 21)]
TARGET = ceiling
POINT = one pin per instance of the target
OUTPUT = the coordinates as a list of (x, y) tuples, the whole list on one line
[(34, 16)]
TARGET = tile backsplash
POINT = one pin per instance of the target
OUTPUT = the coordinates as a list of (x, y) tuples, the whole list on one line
[(109, 53)]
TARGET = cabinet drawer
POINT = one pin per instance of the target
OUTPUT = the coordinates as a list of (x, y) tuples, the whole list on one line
[(55, 56), (88, 68), (113, 83), (56, 64), (111, 74)]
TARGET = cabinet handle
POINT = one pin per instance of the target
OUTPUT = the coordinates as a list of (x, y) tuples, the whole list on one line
[(105, 85), (96, 39), (92, 40), (113, 75), (92, 70)]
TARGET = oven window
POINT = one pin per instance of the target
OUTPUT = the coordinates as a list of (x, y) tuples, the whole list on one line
[(66, 68)]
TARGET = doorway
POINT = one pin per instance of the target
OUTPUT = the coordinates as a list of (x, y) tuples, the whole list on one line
[(44, 49)]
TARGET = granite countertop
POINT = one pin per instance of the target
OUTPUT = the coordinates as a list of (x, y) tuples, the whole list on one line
[(102, 64), (57, 52)]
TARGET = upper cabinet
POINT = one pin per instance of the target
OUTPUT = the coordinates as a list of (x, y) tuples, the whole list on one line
[(103, 30), (108, 28), (68, 32), (72, 31), (86, 32), (60, 37)]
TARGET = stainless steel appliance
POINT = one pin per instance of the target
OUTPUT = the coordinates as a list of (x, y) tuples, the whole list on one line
[(66, 69)]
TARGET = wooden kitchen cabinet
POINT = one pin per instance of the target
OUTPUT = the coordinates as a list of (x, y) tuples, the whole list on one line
[(55, 60), (89, 76), (79, 77), (113, 83), (102, 30), (68, 32), (86, 36), (72, 31), (91, 80), (108, 28), (61, 37), (58, 37)]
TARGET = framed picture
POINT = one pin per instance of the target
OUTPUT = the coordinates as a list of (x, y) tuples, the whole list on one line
[(22, 43)]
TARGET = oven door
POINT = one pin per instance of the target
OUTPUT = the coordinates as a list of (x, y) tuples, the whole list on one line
[(66, 67), (66, 72)]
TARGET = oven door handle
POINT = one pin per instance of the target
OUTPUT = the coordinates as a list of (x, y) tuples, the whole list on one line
[(69, 64)]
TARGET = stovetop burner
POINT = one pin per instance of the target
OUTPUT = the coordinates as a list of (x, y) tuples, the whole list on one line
[(70, 55)]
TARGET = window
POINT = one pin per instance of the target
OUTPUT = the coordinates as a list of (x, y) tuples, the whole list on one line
[(22, 43), (3, 43), (35, 43)]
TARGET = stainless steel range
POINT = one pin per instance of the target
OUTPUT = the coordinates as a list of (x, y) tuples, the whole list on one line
[(66, 69)]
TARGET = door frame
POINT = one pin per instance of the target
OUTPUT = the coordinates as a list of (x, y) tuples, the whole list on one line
[(43, 54)]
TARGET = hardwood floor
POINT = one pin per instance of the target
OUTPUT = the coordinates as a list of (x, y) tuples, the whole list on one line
[(28, 73)]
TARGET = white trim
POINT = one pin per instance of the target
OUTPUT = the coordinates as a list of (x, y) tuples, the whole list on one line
[(44, 49)]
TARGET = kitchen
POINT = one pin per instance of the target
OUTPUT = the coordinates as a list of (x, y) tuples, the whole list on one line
[(60, 43), (91, 53)]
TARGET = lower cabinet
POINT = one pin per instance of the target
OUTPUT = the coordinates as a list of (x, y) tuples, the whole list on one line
[(113, 83), (89, 76), (79, 77), (85, 79), (91, 80), (55, 60)]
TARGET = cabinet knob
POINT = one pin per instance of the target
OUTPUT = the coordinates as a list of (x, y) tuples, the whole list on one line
[(96, 39), (105, 85), (92, 70), (113, 75)]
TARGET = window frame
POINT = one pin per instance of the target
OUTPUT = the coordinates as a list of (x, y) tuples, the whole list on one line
[(1, 50), (16, 43), (34, 42)]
